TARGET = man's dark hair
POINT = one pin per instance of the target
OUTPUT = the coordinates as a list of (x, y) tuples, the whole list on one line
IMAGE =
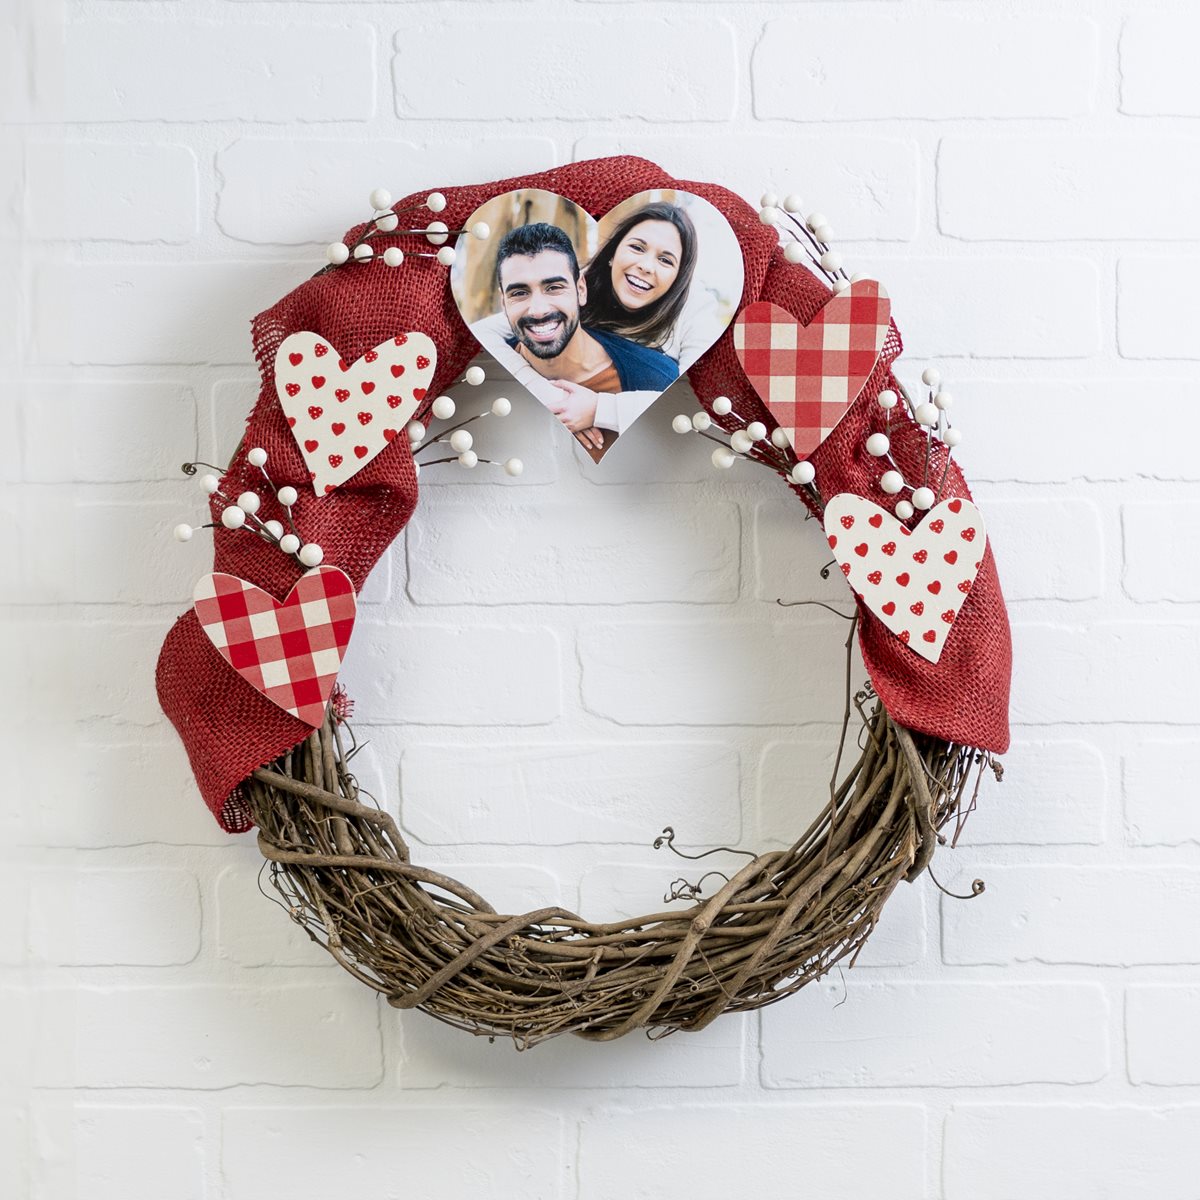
[(528, 240)]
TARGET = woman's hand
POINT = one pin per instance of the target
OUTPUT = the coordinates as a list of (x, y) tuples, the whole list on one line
[(577, 409)]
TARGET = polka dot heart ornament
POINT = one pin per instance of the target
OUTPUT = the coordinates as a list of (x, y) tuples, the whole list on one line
[(916, 581), (342, 414)]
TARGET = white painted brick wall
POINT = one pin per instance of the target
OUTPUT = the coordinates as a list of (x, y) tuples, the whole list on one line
[(551, 669)]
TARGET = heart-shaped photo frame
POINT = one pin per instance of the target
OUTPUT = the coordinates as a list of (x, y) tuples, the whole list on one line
[(596, 318)]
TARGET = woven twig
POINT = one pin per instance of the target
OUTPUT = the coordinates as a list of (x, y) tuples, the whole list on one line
[(427, 941)]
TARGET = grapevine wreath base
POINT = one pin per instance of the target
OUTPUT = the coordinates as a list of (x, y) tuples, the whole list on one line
[(427, 941)]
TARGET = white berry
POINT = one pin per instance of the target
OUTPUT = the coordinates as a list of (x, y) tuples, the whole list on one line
[(275, 529), (435, 202), (682, 423), (878, 445), (831, 260), (469, 459), (387, 224), (443, 408), (514, 466), (740, 441), (723, 458), (769, 200), (257, 457), (823, 233), (943, 400), (363, 251), (815, 220), (891, 482), (209, 483), (768, 214), (286, 496), (722, 406), (415, 431), (475, 376), (904, 510), (481, 231), (380, 198), (337, 253), (931, 376), (289, 543), (446, 256), (311, 554), (803, 473), (887, 399), (461, 440), (792, 203), (840, 285), (249, 502), (952, 438), (701, 421), (779, 439), (436, 231), (501, 406), (794, 252), (183, 533), (393, 256), (233, 517), (757, 431), (926, 414), (923, 497)]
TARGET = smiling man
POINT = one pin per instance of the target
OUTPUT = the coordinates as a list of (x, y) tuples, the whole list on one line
[(544, 298)]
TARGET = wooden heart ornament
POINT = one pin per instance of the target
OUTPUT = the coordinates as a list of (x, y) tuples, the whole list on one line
[(914, 580), (809, 375), (290, 651), (597, 316), (343, 414)]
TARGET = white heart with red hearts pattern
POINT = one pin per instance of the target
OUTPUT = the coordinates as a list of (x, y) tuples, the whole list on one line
[(914, 580), (342, 414)]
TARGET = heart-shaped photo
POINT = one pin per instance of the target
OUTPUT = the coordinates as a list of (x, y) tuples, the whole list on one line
[(597, 318)]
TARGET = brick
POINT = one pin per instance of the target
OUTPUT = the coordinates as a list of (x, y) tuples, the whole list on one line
[(1160, 1030), (116, 192), (455, 674), (737, 672), (801, 78), (1074, 679), (88, 431), (789, 553), (1044, 552), (93, 917), (980, 197), (188, 312), (390, 1152), (1054, 793), (436, 1056), (999, 448), (1157, 73), (122, 794), (193, 1036), (624, 551), (14, 1142), (42, 569), (152, 569), (1156, 309), (846, 1033), (700, 83), (1010, 319), (1074, 914), (108, 1151), (870, 190), (1157, 771), (267, 72), (1070, 1151), (315, 188), (649, 1153), (557, 793), (1156, 568)]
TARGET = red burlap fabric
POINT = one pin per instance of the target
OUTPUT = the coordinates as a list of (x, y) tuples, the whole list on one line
[(229, 729)]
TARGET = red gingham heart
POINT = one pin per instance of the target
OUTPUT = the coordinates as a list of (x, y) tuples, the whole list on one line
[(809, 375), (290, 651)]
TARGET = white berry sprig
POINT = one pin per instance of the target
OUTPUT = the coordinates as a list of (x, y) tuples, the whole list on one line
[(242, 513), (932, 415), (807, 239), (386, 221), (458, 437)]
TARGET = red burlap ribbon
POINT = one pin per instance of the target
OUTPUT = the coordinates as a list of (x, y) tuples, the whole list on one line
[(229, 729)]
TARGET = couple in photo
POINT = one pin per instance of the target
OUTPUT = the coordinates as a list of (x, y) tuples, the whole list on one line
[(597, 345)]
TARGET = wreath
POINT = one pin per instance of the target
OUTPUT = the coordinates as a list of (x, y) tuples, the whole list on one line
[(794, 374)]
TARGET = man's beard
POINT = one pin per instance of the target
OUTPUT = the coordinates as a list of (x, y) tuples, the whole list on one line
[(551, 349)]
